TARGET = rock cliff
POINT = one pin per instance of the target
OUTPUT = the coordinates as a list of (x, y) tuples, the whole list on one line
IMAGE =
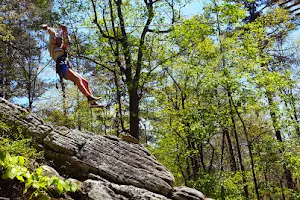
[(109, 168)]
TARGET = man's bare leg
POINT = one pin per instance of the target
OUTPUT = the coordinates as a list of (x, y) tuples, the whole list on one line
[(73, 76), (84, 81), (82, 84)]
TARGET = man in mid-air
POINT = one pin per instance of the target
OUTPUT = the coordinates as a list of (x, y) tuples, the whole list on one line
[(58, 51)]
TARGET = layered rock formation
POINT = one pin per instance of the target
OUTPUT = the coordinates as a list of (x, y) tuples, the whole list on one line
[(109, 168)]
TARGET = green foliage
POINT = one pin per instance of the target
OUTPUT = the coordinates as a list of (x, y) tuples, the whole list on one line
[(81, 117), (14, 167), (20, 147), (58, 118), (20, 59), (18, 167), (224, 186), (13, 142), (226, 79), (209, 185)]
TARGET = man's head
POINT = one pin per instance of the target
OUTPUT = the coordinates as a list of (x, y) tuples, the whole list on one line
[(58, 41)]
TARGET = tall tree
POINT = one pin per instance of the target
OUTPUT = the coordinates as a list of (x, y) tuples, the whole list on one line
[(20, 49), (223, 67), (124, 30)]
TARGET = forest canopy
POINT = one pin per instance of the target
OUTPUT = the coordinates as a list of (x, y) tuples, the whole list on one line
[(214, 95)]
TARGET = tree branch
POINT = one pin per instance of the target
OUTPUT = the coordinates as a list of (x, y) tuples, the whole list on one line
[(124, 42), (172, 21), (178, 86), (142, 40), (96, 62), (98, 25), (18, 49), (151, 70)]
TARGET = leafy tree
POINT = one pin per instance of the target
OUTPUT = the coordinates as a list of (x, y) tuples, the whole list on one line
[(127, 34), (213, 98), (20, 50)]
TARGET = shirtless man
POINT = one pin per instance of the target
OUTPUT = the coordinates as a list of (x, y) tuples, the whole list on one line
[(58, 51)]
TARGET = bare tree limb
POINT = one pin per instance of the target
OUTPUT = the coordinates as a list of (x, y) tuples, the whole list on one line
[(97, 24), (96, 62), (124, 42), (142, 40), (151, 70), (172, 21)]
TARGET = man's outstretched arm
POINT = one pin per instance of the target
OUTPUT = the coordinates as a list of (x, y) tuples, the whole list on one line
[(50, 30), (51, 44), (66, 38)]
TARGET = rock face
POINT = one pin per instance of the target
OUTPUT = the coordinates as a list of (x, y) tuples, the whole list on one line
[(120, 170), (95, 190), (182, 193)]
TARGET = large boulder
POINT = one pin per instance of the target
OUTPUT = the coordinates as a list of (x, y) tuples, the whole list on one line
[(120, 170), (183, 193), (99, 190)]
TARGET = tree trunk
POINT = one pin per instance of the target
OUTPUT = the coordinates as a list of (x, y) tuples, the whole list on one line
[(287, 173), (181, 168), (289, 177), (200, 149), (282, 190), (188, 169), (295, 114), (118, 96), (134, 112), (230, 149), (212, 158), (238, 145), (250, 151), (274, 118), (222, 151), (222, 168), (193, 158), (2, 83)]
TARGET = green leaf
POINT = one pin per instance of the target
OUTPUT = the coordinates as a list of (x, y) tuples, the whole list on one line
[(28, 183), (67, 186), (39, 171), (73, 187), (14, 160), (25, 190), (44, 197), (52, 181), (21, 160), (28, 175), (4, 176), (36, 185), (2, 155), (60, 186), (20, 178), (10, 173), (45, 179), (8, 157)]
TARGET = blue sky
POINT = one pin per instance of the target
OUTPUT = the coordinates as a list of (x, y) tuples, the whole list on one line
[(193, 8)]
